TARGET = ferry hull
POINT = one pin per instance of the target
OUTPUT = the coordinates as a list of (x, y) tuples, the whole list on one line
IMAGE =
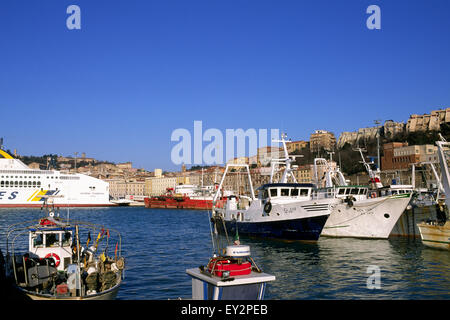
[(308, 228), (21, 186), (372, 218), (61, 205)]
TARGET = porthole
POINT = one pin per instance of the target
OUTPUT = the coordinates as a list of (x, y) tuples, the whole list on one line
[(386, 215)]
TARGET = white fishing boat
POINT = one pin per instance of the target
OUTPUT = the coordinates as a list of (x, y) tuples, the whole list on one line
[(436, 233), (357, 214), (283, 210), (362, 212), (21, 186), (55, 265)]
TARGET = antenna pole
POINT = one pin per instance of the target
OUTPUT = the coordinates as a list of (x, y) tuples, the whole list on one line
[(377, 122)]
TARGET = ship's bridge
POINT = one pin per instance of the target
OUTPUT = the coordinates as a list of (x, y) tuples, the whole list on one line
[(7, 162)]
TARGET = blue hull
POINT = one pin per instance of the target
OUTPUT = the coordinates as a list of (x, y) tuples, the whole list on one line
[(298, 229)]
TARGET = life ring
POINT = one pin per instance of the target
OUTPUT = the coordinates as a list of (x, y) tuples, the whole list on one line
[(55, 257), (267, 207)]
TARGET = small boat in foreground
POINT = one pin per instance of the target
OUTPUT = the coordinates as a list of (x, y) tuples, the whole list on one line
[(56, 266), (231, 274)]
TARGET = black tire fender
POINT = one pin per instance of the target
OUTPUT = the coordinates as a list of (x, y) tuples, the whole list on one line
[(267, 207)]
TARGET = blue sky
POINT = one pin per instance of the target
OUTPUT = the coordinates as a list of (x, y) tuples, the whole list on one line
[(137, 70)]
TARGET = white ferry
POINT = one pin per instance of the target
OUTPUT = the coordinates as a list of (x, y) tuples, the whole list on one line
[(21, 186)]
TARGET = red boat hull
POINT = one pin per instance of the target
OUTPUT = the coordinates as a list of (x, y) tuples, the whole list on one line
[(169, 202)]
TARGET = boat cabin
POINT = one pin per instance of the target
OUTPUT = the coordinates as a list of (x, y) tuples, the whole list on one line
[(357, 192), (50, 240), (395, 189), (401, 188), (285, 192)]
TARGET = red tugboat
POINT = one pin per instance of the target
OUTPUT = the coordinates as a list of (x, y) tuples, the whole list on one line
[(185, 197)]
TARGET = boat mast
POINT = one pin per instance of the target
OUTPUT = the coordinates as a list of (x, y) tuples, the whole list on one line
[(374, 177), (444, 170), (287, 160)]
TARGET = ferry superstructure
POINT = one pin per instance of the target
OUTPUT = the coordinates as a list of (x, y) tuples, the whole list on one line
[(21, 186)]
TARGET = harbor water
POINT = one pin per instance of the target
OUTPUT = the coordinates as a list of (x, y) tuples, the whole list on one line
[(160, 244)]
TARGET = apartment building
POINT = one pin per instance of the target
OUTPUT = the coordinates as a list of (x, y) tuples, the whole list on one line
[(322, 139), (398, 155)]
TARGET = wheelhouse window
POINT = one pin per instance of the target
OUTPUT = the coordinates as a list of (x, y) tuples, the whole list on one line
[(294, 192), (341, 191), (38, 240), (303, 192), (284, 192), (273, 192), (52, 240), (66, 241)]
